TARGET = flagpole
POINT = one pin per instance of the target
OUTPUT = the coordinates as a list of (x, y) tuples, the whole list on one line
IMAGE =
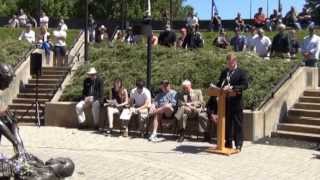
[(212, 8), (250, 9)]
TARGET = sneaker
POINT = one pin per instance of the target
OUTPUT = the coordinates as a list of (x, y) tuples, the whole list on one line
[(154, 138)]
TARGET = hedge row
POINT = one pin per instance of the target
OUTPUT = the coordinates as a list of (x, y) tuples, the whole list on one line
[(201, 66)]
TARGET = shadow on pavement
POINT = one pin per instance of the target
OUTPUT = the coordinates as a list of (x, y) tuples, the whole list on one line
[(276, 141), (191, 149)]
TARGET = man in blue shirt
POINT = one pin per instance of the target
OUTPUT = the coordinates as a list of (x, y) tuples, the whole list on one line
[(164, 105), (238, 42)]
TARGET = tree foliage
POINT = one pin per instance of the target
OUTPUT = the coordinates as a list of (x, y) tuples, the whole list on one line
[(102, 9)]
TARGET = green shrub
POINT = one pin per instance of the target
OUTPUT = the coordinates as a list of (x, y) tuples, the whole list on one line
[(201, 66)]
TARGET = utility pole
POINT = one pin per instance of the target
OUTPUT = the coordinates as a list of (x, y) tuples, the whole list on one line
[(171, 15), (148, 24), (86, 59)]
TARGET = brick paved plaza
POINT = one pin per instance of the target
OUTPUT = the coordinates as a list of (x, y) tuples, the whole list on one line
[(98, 157)]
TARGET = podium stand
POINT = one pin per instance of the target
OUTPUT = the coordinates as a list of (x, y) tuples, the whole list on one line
[(222, 95)]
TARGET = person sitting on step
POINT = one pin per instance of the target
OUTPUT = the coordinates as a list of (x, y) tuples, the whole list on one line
[(92, 96), (119, 99), (190, 103), (164, 105)]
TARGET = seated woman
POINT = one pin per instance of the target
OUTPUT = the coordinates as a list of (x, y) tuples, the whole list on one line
[(117, 103)]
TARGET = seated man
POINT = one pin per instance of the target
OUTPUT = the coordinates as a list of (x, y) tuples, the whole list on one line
[(164, 106), (291, 19), (92, 95), (167, 37), (239, 22), (238, 42), (262, 44), (190, 106), (140, 101), (305, 18), (259, 19), (216, 23), (274, 20), (28, 34)]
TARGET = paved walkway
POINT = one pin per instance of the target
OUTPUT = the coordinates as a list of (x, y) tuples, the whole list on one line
[(103, 158)]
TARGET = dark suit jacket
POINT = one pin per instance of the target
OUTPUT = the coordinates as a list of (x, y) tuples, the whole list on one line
[(239, 81), (97, 90)]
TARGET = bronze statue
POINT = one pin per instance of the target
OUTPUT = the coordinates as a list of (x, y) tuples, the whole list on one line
[(23, 165)]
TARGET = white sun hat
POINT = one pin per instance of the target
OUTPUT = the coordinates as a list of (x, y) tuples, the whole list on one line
[(92, 71)]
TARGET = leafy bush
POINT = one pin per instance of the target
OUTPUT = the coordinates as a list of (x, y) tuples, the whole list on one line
[(201, 66)]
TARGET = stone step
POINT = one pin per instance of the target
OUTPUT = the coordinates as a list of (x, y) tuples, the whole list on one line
[(31, 120), (26, 112), (296, 135), (40, 90), (33, 95), (301, 128), (49, 77), (309, 99), (44, 81), (56, 68), (58, 73), (312, 92), (22, 106), (304, 112), (42, 86), (303, 120), (29, 101), (309, 106)]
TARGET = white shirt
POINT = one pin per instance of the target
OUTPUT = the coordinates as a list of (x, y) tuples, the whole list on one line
[(13, 22), (262, 45), (250, 41), (140, 99), (312, 46), (23, 19), (29, 36), (60, 34), (192, 20), (44, 21), (64, 27)]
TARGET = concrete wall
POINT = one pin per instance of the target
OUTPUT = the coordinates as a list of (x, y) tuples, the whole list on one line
[(276, 109), (257, 124), (22, 76)]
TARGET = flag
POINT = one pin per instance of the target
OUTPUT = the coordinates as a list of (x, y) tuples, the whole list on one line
[(214, 8)]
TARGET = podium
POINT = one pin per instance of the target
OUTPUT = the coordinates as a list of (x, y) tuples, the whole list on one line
[(222, 95)]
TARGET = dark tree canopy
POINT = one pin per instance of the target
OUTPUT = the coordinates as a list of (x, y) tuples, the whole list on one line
[(314, 5), (101, 9)]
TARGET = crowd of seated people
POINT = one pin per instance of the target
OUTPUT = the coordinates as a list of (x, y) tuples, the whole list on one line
[(182, 106)]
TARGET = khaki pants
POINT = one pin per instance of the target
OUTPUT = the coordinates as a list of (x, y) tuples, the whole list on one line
[(95, 108)]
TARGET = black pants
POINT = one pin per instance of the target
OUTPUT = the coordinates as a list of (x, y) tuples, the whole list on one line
[(234, 129)]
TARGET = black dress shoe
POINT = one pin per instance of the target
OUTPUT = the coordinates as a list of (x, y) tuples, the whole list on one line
[(239, 148), (180, 139)]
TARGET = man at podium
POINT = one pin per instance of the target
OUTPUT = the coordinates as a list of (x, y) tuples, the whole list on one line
[(233, 79)]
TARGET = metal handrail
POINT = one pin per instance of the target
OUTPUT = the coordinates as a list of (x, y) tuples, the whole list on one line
[(281, 82)]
